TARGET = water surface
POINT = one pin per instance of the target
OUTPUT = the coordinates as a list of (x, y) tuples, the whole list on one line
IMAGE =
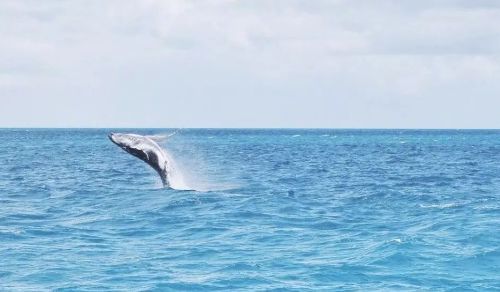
[(296, 210)]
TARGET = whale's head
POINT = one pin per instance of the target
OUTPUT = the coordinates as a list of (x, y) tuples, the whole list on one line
[(125, 141), (132, 143)]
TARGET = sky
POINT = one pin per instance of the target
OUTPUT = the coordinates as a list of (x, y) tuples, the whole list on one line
[(258, 64)]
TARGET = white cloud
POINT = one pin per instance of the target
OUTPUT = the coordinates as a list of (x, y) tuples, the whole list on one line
[(120, 62)]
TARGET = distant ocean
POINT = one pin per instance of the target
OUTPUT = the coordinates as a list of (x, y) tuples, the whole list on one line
[(282, 210)]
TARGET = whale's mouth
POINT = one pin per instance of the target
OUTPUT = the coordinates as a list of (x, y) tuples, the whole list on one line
[(111, 137), (116, 139)]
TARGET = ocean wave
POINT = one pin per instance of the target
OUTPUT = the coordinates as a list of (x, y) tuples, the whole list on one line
[(266, 212)]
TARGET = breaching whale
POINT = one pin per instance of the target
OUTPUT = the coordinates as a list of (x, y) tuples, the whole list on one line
[(146, 149)]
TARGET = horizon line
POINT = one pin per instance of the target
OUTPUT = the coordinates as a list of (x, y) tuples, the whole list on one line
[(243, 128)]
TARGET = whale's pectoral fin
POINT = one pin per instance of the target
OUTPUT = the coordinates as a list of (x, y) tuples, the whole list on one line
[(160, 138)]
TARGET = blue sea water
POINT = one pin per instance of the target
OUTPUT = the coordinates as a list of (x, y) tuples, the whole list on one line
[(278, 210)]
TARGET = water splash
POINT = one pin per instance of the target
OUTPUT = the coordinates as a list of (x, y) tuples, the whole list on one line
[(175, 176), (190, 172), (183, 178)]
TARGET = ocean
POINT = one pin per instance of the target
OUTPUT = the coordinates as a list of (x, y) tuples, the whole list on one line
[(267, 210)]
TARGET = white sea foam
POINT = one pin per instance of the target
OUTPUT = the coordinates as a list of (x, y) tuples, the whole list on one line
[(440, 206), (396, 240), (186, 174)]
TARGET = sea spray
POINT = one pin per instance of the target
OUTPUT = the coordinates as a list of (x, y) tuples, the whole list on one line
[(175, 176), (190, 169)]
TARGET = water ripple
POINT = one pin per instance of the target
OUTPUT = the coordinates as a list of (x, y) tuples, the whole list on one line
[(283, 210)]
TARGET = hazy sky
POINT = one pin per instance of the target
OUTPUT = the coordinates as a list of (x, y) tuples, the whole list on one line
[(179, 63)]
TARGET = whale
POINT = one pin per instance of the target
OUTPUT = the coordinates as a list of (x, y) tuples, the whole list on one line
[(146, 149)]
